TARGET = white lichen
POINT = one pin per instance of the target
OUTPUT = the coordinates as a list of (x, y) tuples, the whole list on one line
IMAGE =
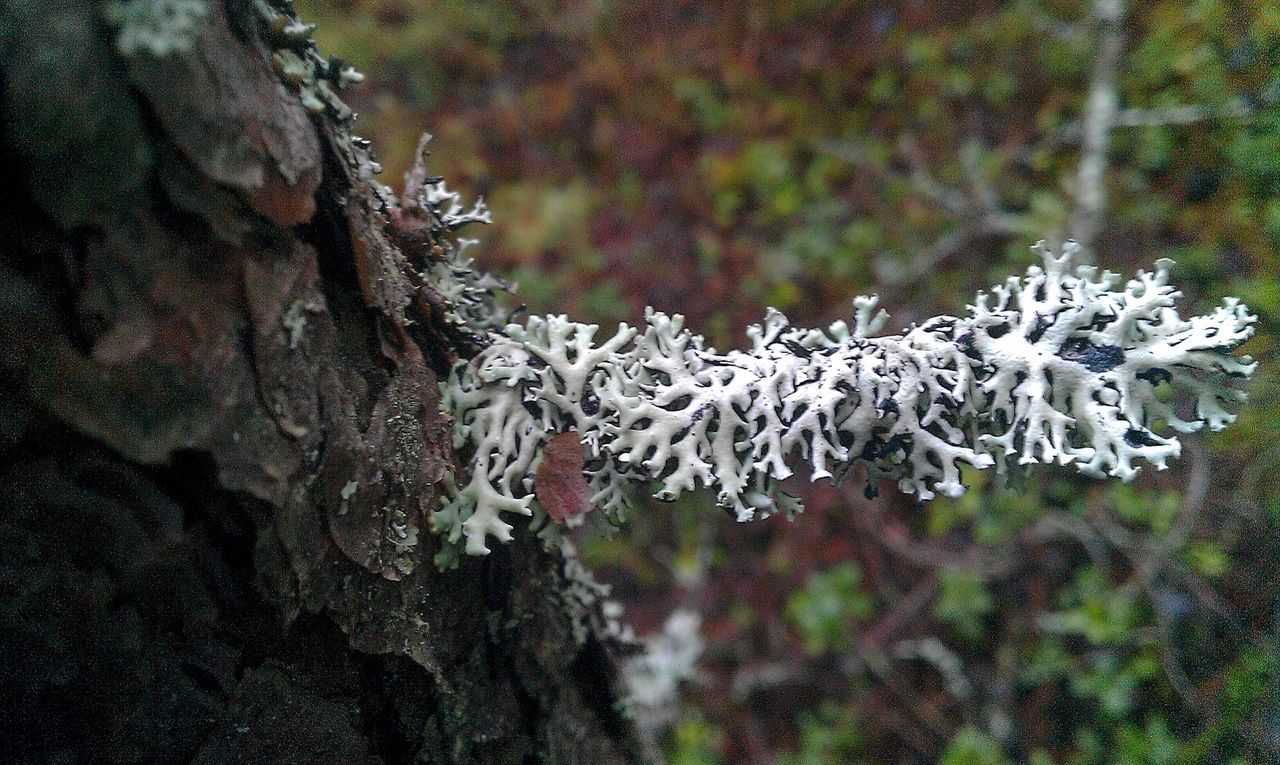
[(448, 206), (670, 658), (299, 64), (587, 603), (1059, 365), (155, 27)]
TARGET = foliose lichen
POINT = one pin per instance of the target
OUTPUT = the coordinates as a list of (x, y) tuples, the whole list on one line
[(670, 658), (1061, 365), (299, 63), (468, 291), (156, 27)]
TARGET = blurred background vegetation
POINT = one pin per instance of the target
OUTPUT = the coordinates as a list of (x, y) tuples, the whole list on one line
[(712, 158)]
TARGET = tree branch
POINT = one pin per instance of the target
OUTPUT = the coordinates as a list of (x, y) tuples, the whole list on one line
[(1099, 117), (1058, 367)]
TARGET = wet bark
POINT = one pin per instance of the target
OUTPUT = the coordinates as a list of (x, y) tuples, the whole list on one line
[(219, 438)]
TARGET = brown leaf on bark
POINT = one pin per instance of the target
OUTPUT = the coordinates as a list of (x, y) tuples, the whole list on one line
[(559, 484)]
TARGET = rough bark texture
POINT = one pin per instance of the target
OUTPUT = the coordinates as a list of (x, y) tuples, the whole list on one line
[(219, 439)]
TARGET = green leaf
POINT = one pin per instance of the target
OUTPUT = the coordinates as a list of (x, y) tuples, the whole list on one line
[(970, 746)]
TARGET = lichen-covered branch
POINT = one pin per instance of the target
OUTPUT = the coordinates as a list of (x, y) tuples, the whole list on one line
[(1062, 365)]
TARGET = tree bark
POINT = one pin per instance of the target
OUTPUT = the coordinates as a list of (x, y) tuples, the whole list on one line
[(220, 438)]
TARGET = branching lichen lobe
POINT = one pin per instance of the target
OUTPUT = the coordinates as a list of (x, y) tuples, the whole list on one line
[(1060, 365)]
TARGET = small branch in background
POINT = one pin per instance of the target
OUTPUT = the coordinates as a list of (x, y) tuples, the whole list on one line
[(763, 676), (1055, 27), (974, 208), (947, 662), (1177, 115), (1195, 495), (1099, 118), (902, 615), (953, 200), (895, 537), (927, 715)]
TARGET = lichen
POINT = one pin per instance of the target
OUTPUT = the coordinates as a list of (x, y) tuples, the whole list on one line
[(1061, 365), (469, 292), (670, 658), (156, 27), (300, 64), (587, 602)]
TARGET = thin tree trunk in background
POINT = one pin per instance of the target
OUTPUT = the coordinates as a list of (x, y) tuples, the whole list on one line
[(1101, 107), (219, 440)]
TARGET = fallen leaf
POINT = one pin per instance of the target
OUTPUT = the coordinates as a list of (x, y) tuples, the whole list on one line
[(559, 484)]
